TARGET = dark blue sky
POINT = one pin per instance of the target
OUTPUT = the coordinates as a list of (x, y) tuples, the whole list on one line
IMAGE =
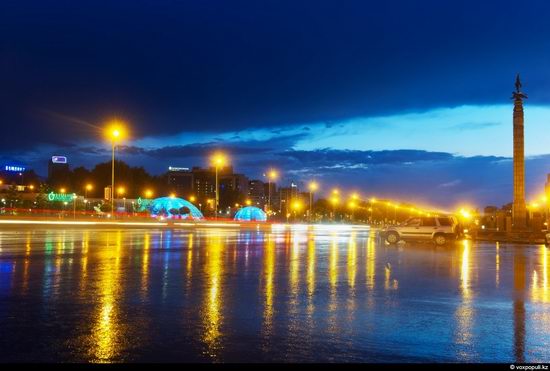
[(280, 82)]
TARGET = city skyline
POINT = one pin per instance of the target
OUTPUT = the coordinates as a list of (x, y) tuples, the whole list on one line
[(361, 113)]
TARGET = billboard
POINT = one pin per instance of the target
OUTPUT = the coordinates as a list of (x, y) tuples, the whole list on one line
[(59, 159)]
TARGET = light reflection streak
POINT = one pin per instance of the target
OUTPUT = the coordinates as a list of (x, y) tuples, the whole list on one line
[(497, 264), (519, 305), (371, 263), (84, 262), (333, 272), (268, 275), (145, 264), (212, 312), (539, 287), (107, 332), (310, 277), (189, 257), (25, 283), (465, 313), (352, 261)]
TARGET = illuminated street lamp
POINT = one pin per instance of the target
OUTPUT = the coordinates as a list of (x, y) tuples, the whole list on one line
[(148, 193), (352, 205), (219, 161), (248, 202), (192, 198), (296, 206), (62, 190), (114, 132), (88, 187), (271, 176), (334, 201), (313, 186)]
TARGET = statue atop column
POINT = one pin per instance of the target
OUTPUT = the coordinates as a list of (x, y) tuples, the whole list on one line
[(518, 94)]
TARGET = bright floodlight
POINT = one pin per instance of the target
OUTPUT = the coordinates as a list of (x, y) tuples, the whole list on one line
[(313, 186), (115, 130), (219, 159)]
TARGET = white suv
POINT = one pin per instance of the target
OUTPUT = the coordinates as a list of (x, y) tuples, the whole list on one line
[(439, 229)]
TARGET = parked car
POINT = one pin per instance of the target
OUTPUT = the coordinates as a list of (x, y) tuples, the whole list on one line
[(439, 229)]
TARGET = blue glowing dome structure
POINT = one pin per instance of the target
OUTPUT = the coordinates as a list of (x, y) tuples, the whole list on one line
[(251, 213), (172, 207)]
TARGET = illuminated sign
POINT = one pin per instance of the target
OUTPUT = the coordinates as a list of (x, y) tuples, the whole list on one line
[(59, 159), (16, 169), (61, 197), (144, 203), (172, 168)]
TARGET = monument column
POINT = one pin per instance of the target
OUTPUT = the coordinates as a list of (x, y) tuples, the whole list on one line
[(519, 210)]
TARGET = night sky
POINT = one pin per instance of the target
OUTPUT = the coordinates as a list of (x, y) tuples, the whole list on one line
[(409, 99)]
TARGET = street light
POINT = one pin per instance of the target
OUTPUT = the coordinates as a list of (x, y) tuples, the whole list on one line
[(219, 161), (148, 193), (88, 187), (334, 201), (62, 190), (313, 186), (271, 175), (352, 206), (296, 206), (121, 191), (114, 132)]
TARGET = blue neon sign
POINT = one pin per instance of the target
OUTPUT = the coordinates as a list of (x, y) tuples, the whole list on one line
[(15, 169)]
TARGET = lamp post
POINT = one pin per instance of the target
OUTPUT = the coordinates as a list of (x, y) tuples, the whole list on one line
[(114, 132), (296, 206), (74, 205), (121, 191), (86, 189), (219, 161), (334, 200), (313, 186), (271, 175), (353, 205)]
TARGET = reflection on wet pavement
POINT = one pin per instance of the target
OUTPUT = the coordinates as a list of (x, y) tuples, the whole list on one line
[(286, 295)]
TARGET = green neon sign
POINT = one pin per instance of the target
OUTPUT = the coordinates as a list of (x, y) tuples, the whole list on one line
[(143, 203), (61, 197)]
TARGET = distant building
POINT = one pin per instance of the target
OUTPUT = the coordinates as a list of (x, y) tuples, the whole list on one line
[(201, 183), (256, 193), (180, 181), (272, 196), (286, 196), (58, 165)]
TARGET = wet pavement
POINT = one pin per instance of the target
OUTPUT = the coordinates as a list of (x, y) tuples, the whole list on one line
[(305, 295)]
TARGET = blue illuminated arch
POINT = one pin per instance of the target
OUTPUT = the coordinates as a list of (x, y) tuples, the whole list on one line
[(165, 206), (251, 213)]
